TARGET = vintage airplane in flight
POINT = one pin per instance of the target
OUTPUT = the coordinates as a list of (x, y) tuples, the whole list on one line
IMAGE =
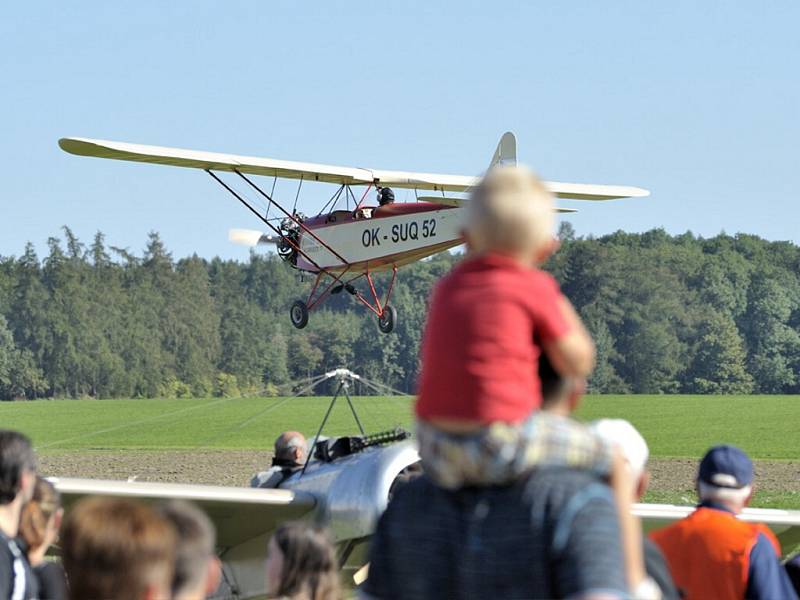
[(342, 246)]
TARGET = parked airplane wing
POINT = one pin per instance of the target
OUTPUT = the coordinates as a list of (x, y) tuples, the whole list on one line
[(239, 514), (785, 524), (271, 167)]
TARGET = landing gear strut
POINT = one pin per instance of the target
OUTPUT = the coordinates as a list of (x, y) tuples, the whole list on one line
[(387, 315)]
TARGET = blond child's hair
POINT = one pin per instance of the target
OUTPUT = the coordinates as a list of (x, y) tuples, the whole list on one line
[(510, 211)]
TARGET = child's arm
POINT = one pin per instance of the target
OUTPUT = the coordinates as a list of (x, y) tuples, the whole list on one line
[(554, 440), (572, 355), (629, 525)]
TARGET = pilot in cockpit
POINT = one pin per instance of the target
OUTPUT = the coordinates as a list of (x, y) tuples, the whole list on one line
[(385, 196), (290, 455)]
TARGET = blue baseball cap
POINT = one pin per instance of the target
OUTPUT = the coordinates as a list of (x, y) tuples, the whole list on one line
[(727, 467)]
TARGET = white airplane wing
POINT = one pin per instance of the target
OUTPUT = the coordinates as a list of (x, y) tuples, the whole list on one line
[(453, 201), (239, 514), (271, 167), (785, 524)]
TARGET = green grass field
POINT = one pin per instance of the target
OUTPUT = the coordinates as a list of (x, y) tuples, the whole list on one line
[(674, 426), (686, 426)]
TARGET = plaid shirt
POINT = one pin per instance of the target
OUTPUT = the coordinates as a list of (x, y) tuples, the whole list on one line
[(501, 453)]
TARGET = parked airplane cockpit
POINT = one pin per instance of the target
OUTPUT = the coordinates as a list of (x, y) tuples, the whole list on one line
[(329, 449), (354, 477)]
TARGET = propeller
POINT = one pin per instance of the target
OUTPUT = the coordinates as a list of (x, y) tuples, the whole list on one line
[(251, 237)]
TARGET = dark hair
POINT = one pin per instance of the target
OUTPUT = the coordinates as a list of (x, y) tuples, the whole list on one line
[(116, 548), (309, 562), (196, 539), (16, 455), (36, 514), (554, 386)]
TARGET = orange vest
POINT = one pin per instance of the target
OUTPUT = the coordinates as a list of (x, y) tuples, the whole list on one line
[(708, 553)]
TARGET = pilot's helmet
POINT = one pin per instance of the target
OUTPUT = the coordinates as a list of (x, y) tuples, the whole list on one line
[(385, 196)]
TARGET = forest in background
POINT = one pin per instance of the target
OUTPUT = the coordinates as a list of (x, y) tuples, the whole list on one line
[(669, 314)]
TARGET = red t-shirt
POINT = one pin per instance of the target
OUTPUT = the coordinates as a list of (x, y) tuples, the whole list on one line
[(479, 359)]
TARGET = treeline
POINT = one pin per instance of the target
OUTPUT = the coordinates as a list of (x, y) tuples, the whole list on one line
[(668, 313)]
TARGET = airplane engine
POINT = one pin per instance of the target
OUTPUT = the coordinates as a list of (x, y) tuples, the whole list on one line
[(290, 239)]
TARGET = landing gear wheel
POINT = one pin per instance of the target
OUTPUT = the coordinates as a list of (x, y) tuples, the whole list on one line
[(388, 319), (299, 314)]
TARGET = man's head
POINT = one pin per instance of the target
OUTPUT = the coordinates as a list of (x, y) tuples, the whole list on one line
[(290, 448), (117, 548), (511, 211), (559, 394), (197, 570), (385, 196), (632, 446), (726, 476), (17, 467)]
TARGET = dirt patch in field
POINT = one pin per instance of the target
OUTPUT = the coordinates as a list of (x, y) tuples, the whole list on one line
[(677, 474), (237, 467), (233, 468)]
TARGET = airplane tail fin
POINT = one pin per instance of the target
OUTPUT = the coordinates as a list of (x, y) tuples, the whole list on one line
[(506, 153)]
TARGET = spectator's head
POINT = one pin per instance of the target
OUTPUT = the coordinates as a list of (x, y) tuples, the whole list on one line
[(510, 211), (725, 476), (197, 570), (117, 548), (301, 563), (290, 448), (633, 448), (559, 394), (17, 468), (41, 516)]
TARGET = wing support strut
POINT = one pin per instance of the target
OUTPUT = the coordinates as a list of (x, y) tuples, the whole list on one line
[(293, 217), (338, 282), (337, 278)]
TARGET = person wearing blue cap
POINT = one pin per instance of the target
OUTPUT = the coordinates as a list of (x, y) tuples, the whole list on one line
[(711, 553)]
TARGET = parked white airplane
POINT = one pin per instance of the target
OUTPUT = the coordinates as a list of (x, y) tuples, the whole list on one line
[(349, 494)]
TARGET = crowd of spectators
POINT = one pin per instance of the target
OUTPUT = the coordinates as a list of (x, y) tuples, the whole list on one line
[(122, 549), (515, 500)]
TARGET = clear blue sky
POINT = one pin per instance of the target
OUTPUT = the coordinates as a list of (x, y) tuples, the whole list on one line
[(697, 101)]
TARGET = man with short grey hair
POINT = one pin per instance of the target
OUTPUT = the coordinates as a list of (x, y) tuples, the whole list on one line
[(290, 454), (711, 553)]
